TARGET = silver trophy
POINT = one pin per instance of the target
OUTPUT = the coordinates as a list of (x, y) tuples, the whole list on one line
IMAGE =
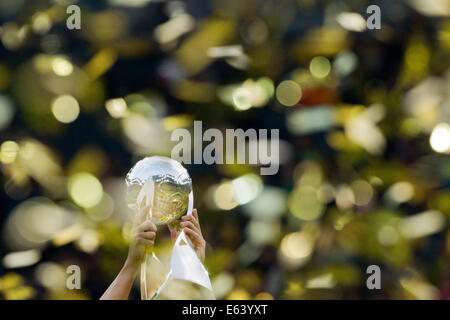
[(171, 187)]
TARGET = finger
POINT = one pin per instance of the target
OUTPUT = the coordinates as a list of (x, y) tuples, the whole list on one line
[(189, 225), (191, 219), (149, 235), (146, 226), (195, 237), (195, 214), (145, 242)]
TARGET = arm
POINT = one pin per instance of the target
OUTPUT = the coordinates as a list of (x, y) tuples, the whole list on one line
[(121, 286), (142, 237)]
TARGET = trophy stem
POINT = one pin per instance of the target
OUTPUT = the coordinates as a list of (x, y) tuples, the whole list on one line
[(144, 278)]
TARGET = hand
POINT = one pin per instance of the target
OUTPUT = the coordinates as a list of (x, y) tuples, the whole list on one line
[(191, 226), (143, 236)]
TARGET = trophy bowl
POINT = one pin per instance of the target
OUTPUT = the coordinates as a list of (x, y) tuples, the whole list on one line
[(172, 186)]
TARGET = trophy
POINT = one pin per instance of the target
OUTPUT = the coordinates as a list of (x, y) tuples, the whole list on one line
[(166, 185), (171, 183)]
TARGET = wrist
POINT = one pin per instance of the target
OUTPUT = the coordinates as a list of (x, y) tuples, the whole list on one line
[(131, 265)]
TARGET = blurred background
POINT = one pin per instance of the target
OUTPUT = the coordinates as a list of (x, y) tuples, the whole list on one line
[(364, 152)]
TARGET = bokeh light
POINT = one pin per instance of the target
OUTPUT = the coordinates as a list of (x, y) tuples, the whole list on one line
[(85, 189), (65, 109), (296, 248), (8, 152), (288, 93), (320, 67), (62, 67), (440, 138)]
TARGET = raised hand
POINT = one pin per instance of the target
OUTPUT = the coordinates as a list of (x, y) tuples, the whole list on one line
[(191, 226)]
